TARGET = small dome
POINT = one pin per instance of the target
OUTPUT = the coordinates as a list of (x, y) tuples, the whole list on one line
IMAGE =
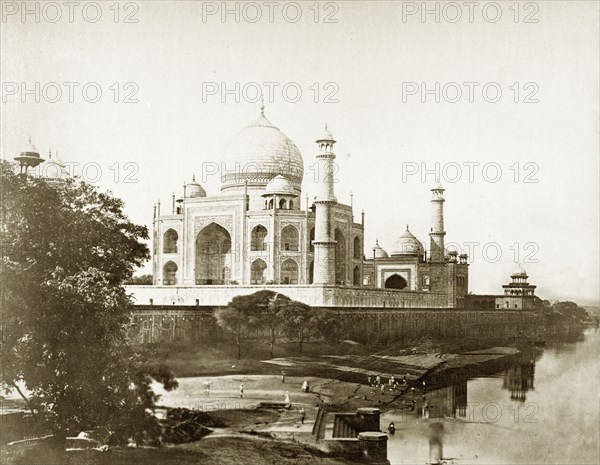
[(378, 252), (519, 272), (30, 149), (279, 185), (29, 156), (407, 244), (327, 136), (194, 190), (54, 168)]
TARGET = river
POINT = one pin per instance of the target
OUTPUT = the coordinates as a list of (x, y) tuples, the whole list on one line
[(541, 410)]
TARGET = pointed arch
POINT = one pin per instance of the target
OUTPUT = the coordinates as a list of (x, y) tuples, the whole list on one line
[(356, 276), (170, 241), (282, 204), (290, 238), (213, 255), (356, 249), (289, 272), (257, 238), (258, 272), (395, 282), (169, 274), (340, 257)]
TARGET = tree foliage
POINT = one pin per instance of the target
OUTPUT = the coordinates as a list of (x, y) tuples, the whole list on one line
[(239, 317), (298, 321), (562, 312), (276, 312), (66, 251)]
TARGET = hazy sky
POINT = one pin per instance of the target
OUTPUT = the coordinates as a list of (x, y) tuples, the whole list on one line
[(543, 54)]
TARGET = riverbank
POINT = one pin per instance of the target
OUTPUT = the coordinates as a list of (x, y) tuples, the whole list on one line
[(338, 377)]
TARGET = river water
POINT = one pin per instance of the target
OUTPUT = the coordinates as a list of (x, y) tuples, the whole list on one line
[(544, 409)]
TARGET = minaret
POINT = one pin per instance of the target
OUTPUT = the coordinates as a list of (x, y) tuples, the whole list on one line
[(324, 242), (436, 236)]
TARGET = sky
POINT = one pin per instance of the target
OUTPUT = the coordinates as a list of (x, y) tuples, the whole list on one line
[(498, 101)]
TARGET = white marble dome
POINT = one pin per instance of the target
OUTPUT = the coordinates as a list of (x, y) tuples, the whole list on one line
[(54, 169), (519, 272), (407, 244), (279, 185), (30, 149), (193, 189), (257, 154)]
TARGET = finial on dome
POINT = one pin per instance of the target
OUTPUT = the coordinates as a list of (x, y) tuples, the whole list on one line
[(30, 139), (193, 177), (407, 227), (262, 106), (50, 153)]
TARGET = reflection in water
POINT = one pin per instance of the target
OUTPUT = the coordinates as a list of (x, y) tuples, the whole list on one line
[(436, 448), (450, 401), (498, 414), (518, 380)]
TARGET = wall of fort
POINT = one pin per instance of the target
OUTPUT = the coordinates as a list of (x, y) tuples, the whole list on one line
[(313, 295), (152, 323)]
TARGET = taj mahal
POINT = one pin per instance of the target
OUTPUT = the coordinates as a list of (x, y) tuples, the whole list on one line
[(255, 234), (207, 249)]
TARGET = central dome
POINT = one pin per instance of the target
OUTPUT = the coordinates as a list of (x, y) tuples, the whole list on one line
[(257, 154)]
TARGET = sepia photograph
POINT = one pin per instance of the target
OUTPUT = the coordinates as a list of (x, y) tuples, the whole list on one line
[(300, 232)]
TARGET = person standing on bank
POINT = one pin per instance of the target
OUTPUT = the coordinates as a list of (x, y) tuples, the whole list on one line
[(302, 415), (242, 391)]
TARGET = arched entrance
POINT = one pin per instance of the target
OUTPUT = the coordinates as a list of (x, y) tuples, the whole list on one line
[(356, 250), (213, 255), (289, 272), (356, 276), (395, 282), (340, 257), (170, 241), (257, 238), (289, 238), (257, 272), (169, 274)]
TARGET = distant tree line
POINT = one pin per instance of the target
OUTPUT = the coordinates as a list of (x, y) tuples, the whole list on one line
[(563, 312), (141, 280)]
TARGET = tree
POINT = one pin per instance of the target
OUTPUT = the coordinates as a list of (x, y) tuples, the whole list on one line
[(298, 320), (329, 325), (142, 280), (66, 251), (238, 317), (247, 312), (570, 311), (271, 318)]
